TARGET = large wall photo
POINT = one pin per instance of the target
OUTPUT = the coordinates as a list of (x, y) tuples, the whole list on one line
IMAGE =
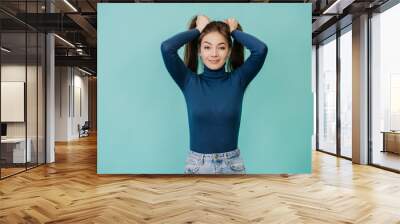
[(143, 125)]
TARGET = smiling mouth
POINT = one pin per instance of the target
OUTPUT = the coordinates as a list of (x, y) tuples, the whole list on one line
[(213, 61)]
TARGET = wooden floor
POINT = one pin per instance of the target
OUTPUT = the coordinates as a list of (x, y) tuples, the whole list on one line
[(5, 172), (387, 159), (70, 191)]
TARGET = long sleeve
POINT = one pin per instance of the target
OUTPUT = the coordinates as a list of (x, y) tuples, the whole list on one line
[(254, 63), (174, 64)]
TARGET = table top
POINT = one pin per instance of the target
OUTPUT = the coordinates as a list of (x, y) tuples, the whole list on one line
[(391, 132), (13, 140)]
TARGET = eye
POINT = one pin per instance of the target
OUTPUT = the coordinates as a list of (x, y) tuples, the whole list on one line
[(206, 47), (222, 48)]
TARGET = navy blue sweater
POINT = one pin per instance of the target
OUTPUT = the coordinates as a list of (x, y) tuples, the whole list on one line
[(213, 98)]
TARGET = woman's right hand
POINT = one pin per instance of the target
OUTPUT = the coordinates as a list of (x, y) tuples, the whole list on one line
[(201, 22), (232, 23)]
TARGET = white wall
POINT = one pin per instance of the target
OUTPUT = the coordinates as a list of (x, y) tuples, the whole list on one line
[(15, 72), (33, 127), (62, 81), (79, 112), (71, 87), (11, 73)]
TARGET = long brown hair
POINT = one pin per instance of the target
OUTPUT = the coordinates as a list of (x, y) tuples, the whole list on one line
[(236, 58)]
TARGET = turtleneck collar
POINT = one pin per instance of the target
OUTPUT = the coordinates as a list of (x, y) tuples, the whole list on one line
[(214, 74)]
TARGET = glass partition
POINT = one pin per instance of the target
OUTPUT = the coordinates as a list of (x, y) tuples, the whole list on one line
[(385, 89), (346, 93), (22, 77), (327, 95), (14, 153)]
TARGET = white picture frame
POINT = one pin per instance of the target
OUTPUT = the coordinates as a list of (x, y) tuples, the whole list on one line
[(12, 101)]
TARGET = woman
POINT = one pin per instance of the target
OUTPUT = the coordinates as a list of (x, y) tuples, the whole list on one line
[(214, 98)]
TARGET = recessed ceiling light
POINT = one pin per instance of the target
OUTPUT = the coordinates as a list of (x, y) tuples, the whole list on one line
[(84, 71), (64, 40), (5, 49), (337, 7), (70, 5)]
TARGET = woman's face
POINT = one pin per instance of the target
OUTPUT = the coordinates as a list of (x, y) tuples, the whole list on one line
[(214, 50)]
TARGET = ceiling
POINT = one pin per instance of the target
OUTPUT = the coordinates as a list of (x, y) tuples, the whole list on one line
[(76, 22)]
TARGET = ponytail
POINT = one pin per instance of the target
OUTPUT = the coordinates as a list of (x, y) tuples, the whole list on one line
[(236, 58), (191, 49)]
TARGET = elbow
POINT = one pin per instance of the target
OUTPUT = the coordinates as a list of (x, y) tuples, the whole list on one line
[(165, 47), (261, 50), (264, 50)]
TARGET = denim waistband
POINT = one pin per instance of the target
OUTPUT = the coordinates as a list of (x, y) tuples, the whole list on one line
[(230, 154)]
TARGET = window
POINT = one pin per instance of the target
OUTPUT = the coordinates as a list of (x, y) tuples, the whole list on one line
[(327, 95), (346, 92), (385, 88)]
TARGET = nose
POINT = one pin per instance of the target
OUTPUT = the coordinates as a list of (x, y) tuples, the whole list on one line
[(214, 52)]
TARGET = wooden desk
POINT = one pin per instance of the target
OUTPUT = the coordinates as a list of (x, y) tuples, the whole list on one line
[(391, 141)]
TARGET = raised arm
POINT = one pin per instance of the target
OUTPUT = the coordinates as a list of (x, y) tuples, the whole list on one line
[(254, 63), (169, 49)]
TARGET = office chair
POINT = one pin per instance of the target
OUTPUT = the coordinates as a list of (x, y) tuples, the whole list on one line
[(84, 130)]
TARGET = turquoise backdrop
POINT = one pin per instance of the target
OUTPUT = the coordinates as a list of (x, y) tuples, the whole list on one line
[(142, 119)]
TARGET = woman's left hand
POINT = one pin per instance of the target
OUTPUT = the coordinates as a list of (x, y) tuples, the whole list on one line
[(232, 23), (202, 22)]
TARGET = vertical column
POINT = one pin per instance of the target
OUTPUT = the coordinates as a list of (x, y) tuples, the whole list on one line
[(338, 91), (360, 90), (50, 92)]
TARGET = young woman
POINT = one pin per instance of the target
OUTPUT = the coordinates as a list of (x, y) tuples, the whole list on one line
[(214, 98)]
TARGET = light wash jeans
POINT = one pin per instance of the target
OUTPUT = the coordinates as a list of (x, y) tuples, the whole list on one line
[(215, 163)]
